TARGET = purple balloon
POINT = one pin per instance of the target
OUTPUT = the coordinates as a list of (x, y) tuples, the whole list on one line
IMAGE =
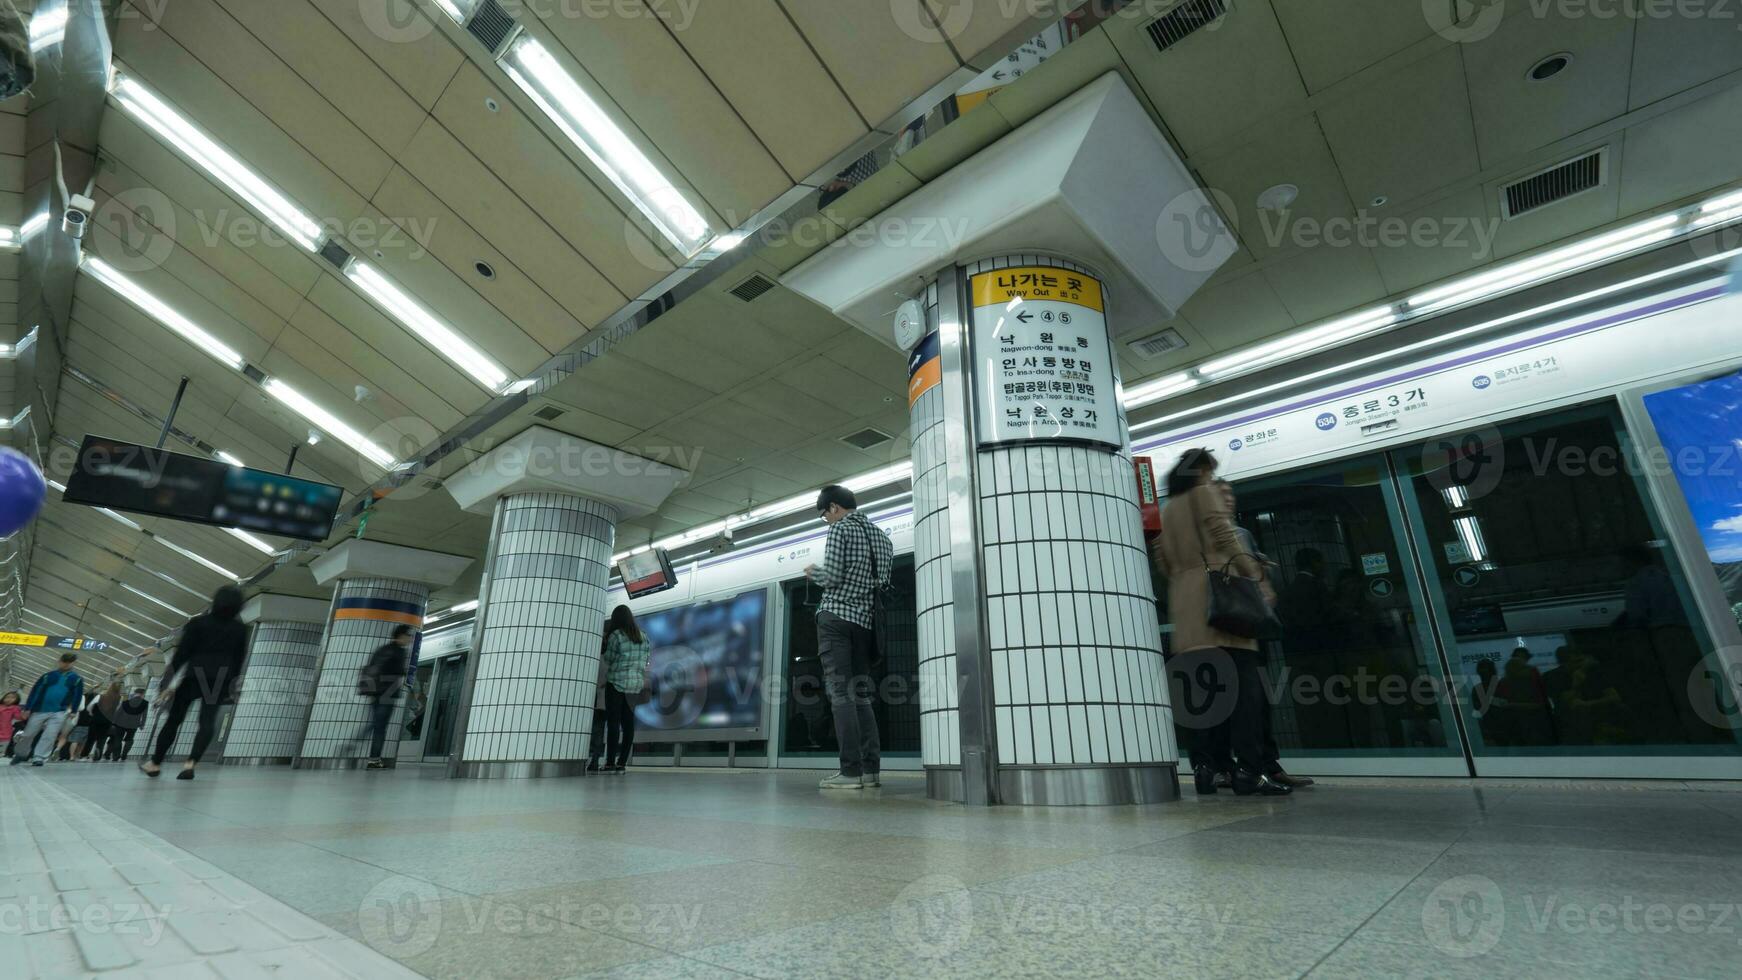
[(22, 490)]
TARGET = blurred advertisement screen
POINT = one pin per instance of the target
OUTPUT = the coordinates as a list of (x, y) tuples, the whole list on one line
[(707, 668)]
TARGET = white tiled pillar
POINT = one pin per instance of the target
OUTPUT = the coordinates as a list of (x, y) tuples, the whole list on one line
[(379, 587), (284, 652), (555, 500), (1068, 664), (537, 659)]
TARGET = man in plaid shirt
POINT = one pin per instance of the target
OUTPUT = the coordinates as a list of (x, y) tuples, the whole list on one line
[(856, 563)]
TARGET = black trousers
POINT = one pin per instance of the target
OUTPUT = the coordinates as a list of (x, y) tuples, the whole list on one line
[(619, 726), (97, 737), (180, 702)]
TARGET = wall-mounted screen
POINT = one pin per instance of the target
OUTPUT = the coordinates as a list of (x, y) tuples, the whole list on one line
[(125, 476), (647, 572), (707, 670)]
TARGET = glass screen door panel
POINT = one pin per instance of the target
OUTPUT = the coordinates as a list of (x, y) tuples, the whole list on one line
[(443, 707), (1569, 627), (1355, 672)]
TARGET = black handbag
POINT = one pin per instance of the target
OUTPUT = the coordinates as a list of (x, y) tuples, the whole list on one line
[(1236, 603)]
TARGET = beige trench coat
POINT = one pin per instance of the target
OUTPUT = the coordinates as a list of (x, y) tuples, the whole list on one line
[(1195, 527)]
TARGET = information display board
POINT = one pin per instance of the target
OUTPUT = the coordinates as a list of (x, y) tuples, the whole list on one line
[(1045, 366)]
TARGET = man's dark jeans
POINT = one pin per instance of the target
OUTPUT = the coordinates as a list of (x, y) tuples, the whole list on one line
[(845, 650), (380, 713)]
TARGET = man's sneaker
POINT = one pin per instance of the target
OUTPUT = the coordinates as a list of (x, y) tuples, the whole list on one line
[(841, 780), (375, 764), (870, 779), (36, 762)]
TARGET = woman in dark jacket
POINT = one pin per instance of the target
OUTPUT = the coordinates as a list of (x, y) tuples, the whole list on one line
[(206, 667)]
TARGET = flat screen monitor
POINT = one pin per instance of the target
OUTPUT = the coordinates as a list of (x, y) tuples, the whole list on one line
[(647, 572), (706, 670), (142, 480)]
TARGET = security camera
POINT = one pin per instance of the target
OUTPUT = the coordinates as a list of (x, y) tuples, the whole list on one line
[(78, 216)]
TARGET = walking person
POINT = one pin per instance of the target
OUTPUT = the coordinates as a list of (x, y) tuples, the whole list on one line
[(54, 700), (857, 562), (1198, 535), (102, 711), (206, 667), (12, 717), (626, 656), (129, 717), (381, 680)]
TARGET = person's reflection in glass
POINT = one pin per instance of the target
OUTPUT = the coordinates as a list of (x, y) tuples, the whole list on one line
[(1304, 609), (1482, 702), (1522, 699), (1663, 643)]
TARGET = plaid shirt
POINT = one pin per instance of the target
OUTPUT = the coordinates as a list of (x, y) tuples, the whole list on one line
[(626, 662), (846, 576)]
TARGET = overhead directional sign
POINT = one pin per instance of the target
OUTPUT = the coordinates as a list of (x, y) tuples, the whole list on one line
[(54, 642)]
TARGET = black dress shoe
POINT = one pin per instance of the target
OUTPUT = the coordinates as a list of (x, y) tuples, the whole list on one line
[(1204, 780), (1247, 783), (1287, 779), (1224, 780)]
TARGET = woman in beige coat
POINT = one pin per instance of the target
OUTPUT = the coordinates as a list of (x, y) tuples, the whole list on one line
[(1198, 534)]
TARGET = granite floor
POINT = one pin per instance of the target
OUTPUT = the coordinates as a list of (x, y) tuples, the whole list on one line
[(714, 873)]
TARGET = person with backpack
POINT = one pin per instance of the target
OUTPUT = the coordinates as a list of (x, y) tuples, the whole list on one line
[(381, 680), (857, 562), (54, 700), (206, 667)]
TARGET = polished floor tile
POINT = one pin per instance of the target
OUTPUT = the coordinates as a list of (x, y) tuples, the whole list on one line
[(678, 874)]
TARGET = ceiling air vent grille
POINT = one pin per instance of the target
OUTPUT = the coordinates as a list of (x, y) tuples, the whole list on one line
[(549, 413), (867, 438), (491, 25), (1155, 345), (752, 287), (1184, 20), (1553, 185)]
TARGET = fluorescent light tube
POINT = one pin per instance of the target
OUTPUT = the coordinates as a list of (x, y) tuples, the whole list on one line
[(160, 311), (151, 598), (176, 130), (411, 314), (37, 222), (47, 619), (106, 512), (1324, 335), (48, 28), (124, 626), (230, 458), (459, 10), (251, 541), (300, 403), (538, 73), (198, 559), (130, 609), (1153, 391)]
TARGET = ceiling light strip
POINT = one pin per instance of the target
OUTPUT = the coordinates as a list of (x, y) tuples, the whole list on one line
[(427, 326), (176, 130), (592, 130), (160, 311)]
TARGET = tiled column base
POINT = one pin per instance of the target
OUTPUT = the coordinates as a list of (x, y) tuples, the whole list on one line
[(267, 728), (365, 613)]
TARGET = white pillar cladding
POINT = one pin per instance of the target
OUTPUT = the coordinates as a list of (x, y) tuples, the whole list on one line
[(939, 713), (526, 707), (284, 652), (379, 587), (1065, 698)]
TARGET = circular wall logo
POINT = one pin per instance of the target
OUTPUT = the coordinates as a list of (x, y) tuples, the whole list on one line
[(1196, 230), (142, 223), (401, 916), (395, 21), (1464, 916), (933, 916), (1481, 382), (1326, 421), (1235, 444)]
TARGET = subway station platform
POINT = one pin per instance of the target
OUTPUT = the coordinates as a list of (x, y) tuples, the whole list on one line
[(261, 872)]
